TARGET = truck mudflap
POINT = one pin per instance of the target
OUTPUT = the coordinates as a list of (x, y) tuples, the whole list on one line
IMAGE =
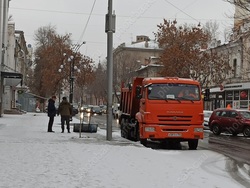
[(165, 132)]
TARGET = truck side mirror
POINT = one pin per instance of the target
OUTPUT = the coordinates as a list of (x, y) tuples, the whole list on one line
[(138, 92)]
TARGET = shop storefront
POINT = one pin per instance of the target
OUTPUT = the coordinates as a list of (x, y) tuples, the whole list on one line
[(217, 100), (237, 98), (237, 95)]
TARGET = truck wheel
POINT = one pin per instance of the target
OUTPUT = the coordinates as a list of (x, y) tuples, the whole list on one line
[(123, 131), (137, 133), (129, 133), (144, 142), (192, 144), (123, 134)]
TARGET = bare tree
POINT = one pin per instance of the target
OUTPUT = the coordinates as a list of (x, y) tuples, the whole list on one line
[(185, 55), (212, 28), (49, 56), (98, 87), (84, 77), (125, 63)]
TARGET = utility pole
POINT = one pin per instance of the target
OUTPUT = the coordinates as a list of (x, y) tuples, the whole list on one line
[(1, 42), (4, 6), (110, 29)]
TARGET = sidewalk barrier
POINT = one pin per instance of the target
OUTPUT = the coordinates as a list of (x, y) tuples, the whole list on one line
[(89, 127)]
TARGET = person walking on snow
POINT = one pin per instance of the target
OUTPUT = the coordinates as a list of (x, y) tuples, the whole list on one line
[(51, 112), (65, 110)]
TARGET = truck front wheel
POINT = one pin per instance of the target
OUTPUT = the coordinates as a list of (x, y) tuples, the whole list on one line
[(123, 130), (144, 142), (192, 144)]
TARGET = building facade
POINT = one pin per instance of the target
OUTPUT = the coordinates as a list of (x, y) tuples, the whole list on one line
[(16, 60), (129, 57), (235, 89)]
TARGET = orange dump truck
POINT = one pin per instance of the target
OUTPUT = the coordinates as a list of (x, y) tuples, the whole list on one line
[(162, 109)]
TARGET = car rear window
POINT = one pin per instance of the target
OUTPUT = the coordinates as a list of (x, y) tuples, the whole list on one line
[(245, 114)]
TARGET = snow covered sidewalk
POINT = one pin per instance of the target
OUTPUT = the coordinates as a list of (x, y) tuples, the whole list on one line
[(33, 158)]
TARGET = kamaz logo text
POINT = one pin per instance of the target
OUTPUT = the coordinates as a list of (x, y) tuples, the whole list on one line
[(174, 112)]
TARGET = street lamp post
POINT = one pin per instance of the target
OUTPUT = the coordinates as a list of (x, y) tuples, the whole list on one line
[(72, 69), (71, 78)]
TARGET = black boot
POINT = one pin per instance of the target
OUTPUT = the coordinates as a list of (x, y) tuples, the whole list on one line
[(62, 131), (68, 131)]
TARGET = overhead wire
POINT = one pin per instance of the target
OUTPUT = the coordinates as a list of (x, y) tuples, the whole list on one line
[(181, 10), (95, 14), (84, 30), (79, 43)]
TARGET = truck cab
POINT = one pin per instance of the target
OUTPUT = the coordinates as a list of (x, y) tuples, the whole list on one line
[(166, 109)]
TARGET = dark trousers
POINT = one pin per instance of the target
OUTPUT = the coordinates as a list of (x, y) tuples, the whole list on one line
[(63, 120), (50, 124)]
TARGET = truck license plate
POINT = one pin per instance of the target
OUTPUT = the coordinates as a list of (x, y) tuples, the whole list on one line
[(175, 134)]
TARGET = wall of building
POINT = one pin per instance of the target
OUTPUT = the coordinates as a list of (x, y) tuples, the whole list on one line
[(15, 64), (130, 57), (240, 15)]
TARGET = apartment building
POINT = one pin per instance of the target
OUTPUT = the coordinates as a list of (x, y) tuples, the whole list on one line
[(130, 57), (235, 90), (16, 60)]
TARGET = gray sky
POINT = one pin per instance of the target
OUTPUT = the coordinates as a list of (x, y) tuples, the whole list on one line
[(133, 17)]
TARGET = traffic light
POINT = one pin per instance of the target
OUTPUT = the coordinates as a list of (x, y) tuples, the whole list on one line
[(207, 94)]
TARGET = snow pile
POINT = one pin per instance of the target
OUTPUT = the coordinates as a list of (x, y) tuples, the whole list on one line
[(31, 157)]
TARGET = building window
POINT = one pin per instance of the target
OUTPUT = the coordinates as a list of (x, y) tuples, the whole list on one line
[(234, 68)]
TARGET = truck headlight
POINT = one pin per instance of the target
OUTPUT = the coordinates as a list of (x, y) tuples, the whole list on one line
[(198, 129), (149, 129)]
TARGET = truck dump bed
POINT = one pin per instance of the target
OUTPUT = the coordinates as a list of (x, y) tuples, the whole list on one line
[(129, 103)]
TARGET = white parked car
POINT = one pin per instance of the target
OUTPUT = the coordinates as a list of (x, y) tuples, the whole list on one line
[(207, 114)]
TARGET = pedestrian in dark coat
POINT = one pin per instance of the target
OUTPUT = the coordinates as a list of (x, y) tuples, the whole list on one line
[(65, 110), (51, 112)]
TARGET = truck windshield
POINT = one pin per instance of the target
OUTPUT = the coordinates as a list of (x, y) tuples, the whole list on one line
[(173, 91)]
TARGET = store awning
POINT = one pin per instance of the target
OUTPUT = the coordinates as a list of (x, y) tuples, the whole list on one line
[(11, 78)]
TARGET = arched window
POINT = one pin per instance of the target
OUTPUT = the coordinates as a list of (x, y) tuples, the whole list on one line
[(235, 67)]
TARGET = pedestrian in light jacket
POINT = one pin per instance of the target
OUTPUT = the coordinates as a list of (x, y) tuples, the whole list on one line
[(51, 112), (65, 110)]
